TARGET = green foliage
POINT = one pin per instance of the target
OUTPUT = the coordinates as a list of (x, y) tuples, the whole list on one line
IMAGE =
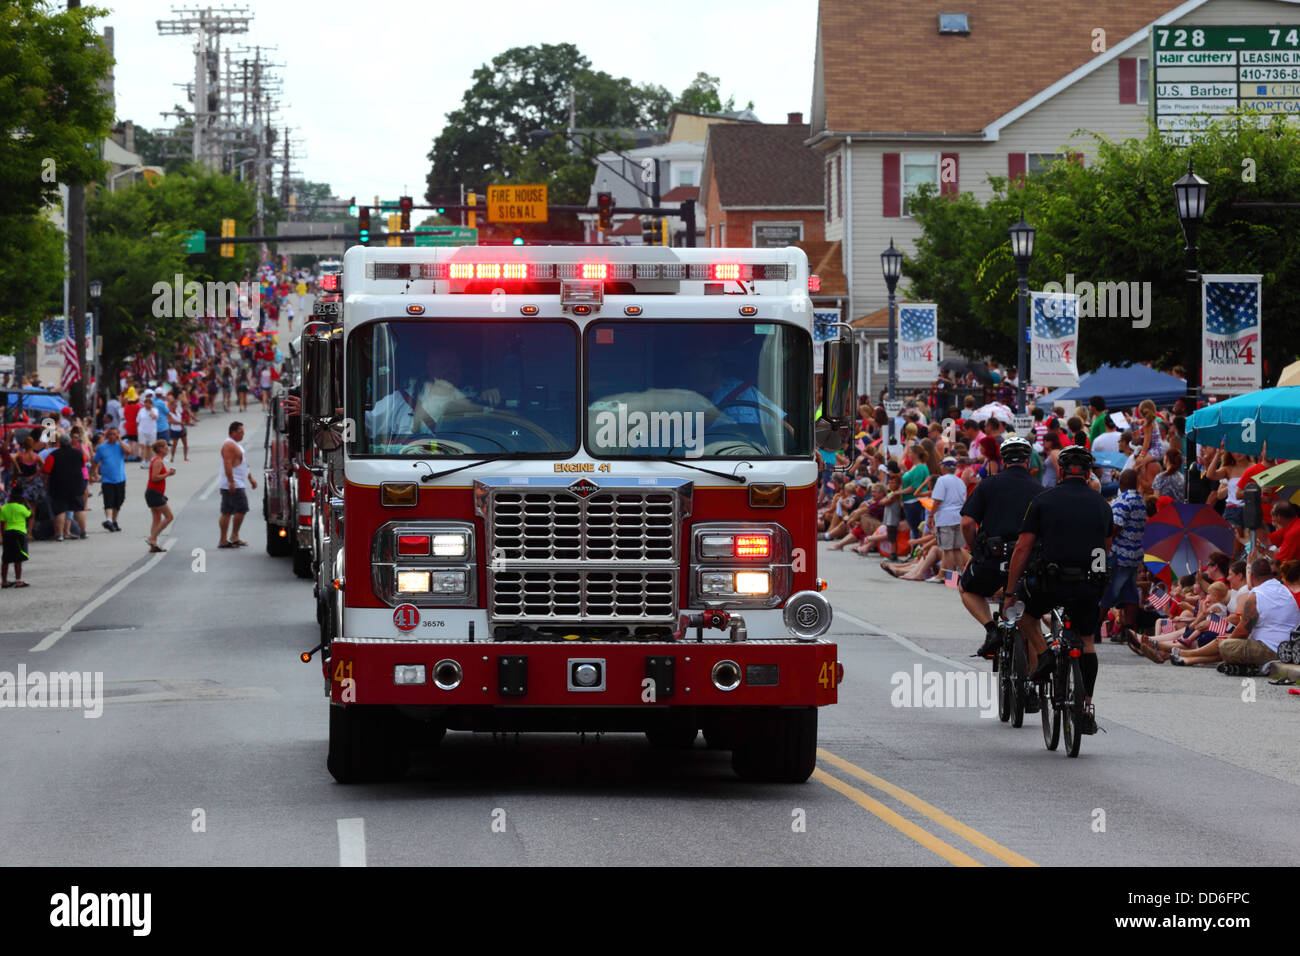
[(135, 239), (1115, 221), (31, 277), (701, 96)]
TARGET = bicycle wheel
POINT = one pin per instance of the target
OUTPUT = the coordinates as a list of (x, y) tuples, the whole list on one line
[(1051, 713), (1072, 705), (1019, 686), (1005, 689)]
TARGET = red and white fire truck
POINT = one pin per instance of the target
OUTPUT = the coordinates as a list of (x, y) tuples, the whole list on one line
[(570, 488)]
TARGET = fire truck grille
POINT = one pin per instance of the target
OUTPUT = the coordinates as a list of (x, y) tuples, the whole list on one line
[(556, 557)]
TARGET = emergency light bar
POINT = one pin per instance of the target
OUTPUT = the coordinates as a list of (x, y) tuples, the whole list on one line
[(330, 283), (520, 271)]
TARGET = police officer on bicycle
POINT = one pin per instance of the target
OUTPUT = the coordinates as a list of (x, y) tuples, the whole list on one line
[(1060, 561), (990, 522)]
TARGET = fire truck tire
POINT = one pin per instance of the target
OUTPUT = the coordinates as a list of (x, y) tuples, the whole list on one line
[(776, 745), (674, 733), (302, 563), (367, 744)]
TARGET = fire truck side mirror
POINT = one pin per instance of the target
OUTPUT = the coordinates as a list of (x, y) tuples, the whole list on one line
[(839, 405), (317, 391)]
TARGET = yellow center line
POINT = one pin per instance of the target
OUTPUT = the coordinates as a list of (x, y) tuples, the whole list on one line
[(973, 836), (924, 837)]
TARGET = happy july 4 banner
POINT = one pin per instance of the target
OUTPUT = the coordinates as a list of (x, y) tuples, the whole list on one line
[(1054, 338), (824, 330), (918, 341), (1232, 321)]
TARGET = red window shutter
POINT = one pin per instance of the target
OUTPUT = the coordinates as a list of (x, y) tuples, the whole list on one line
[(1128, 79), (891, 175), (1015, 168), (829, 167), (839, 185), (948, 188)]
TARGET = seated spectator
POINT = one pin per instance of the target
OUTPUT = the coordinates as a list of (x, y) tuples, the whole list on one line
[(1268, 615), (1287, 535), (1170, 481)]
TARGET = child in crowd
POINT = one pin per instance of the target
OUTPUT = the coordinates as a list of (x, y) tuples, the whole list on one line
[(14, 516)]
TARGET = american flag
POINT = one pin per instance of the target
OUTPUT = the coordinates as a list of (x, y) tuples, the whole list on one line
[(145, 368), (916, 325), (1159, 599), (71, 358), (951, 579), (1231, 307), (1218, 624)]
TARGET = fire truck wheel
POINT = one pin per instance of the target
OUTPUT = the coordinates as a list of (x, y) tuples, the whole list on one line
[(776, 746), (367, 744), (302, 563), (674, 732)]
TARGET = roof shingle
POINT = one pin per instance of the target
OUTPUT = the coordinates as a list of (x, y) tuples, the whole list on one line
[(764, 165)]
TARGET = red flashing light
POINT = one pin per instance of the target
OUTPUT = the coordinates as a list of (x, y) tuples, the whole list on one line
[(594, 270), (461, 270), (752, 546), (329, 283), (814, 283), (1075, 652), (412, 544), (514, 270), (729, 270)]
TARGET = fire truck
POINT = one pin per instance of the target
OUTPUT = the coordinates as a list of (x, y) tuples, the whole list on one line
[(572, 489), (289, 485)]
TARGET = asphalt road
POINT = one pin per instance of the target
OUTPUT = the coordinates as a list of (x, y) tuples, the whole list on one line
[(211, 750)]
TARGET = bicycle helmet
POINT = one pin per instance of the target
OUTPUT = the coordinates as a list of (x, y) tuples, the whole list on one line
[(1075, 460), (1015, 450)]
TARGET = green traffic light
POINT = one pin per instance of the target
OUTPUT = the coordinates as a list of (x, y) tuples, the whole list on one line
[(518, 241), (352, 210), (441, 211)]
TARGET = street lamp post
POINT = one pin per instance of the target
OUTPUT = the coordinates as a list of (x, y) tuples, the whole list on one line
[(1189, 196), (891, 264), (1022, 250)]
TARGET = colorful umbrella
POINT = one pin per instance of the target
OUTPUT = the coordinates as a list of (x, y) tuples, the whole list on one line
[(1184, 536), (1244, 423), (1159, 568)]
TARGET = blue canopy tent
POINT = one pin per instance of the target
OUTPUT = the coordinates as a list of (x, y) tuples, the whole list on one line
[(35, 399), (1122, 387)]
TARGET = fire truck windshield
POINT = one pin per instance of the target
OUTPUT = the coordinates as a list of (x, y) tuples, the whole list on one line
[(463, 388), (698, 389)]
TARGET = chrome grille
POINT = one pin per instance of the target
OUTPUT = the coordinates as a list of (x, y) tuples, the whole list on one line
[(556, 557)]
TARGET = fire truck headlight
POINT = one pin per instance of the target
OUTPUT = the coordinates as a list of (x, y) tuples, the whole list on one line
[(718, 582), (450, 545), (449, 582), (412, 582), (753, 582)]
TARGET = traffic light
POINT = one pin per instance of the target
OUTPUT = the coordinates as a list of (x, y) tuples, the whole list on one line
[(647, 232), (657, 231), (471, 218), (227, 230), (352, 206), (363, 225), (604, 210), (394, 220), (404, 204), (518, 240)]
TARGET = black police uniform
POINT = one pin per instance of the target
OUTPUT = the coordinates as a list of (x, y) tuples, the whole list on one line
[(1071, 523), (997, 504)]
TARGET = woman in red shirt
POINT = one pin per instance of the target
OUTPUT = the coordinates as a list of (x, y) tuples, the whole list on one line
[(154, 495)]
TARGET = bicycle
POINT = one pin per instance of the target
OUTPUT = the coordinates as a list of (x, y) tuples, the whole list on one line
[(1011, 666), (1062, 693)]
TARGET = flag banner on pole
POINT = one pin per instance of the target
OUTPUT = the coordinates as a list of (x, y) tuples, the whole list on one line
[(1053, 338), (918, 341), (1232, 321), (823, 331), (71, 358)]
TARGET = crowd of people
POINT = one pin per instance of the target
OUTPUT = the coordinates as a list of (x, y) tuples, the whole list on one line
[(50, 463), (906, 491)]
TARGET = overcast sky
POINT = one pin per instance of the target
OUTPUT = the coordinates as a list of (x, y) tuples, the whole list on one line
[(367, 83)]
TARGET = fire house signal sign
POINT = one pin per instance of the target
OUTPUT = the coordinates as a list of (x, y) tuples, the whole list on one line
[(1204, 74), (516, 203)]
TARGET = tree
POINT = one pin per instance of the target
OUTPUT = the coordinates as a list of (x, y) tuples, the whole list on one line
[(1115, 221), (135, 240), (53, 115), (701, 96)]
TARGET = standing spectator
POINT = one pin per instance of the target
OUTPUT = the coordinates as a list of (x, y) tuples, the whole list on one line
[(130, 418), (147, 425), (1051, 467), (1129, 512), (114, 410), (63, 469), (176, 422), (227, 383), (155, 496), (164, 423), (264, 382), (1097, 407), (1170, 481), (110, 471), (14, 516), (243, 391), (234, 479), (949, 495)]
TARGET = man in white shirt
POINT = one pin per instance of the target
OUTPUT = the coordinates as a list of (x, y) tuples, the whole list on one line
[(949, 495), (1106, 441), (1268, 615)]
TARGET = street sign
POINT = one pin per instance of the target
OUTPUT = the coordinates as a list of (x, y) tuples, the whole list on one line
[(1022, 424), (516, 203), (446, 236), (893, 407), (389, 205), (1203, 74), (196, 243)]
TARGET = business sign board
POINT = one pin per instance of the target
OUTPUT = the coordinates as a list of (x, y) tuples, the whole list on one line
[(516, 203), (777, 235), (1205, 74)]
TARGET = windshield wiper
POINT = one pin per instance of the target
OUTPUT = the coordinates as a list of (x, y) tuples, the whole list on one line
[(709, 471), (448, 471)]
